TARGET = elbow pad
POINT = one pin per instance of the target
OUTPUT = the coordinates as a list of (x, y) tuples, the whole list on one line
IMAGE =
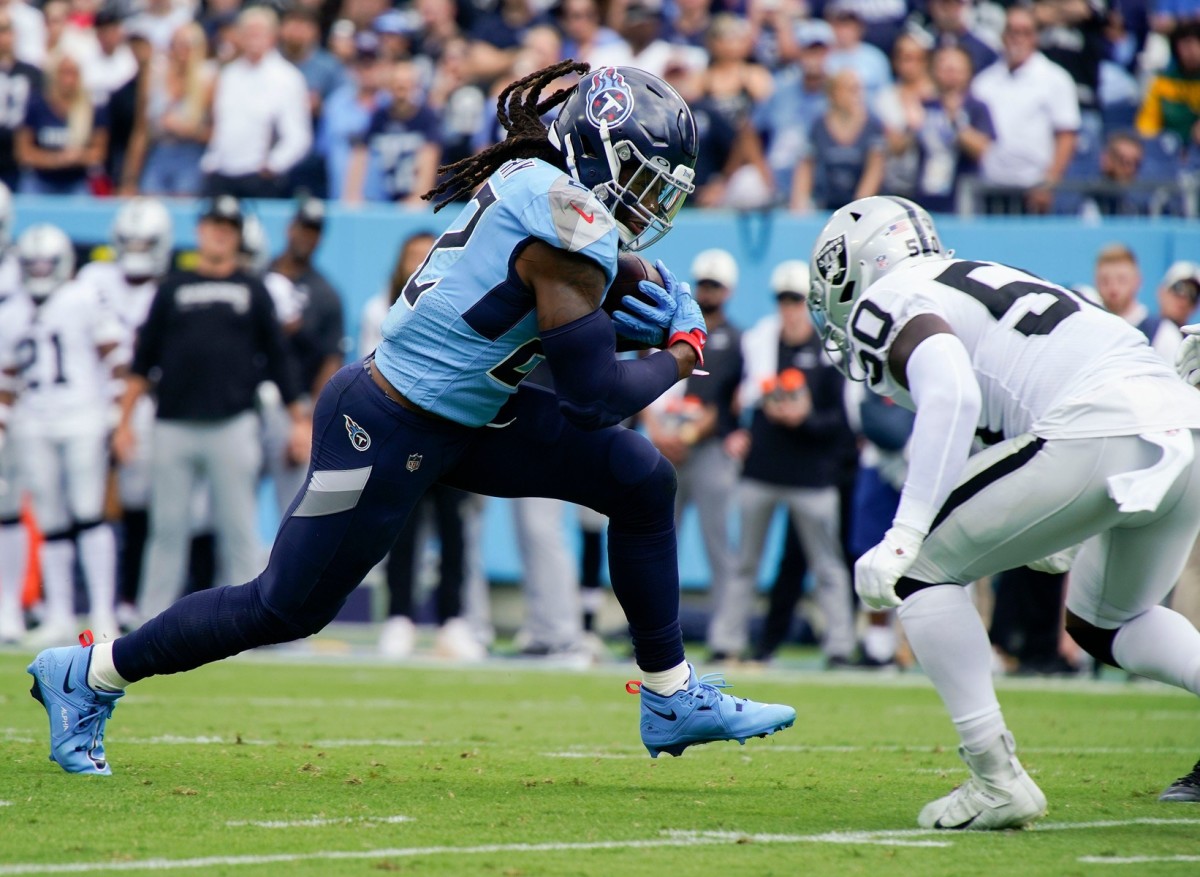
[(594, 388)]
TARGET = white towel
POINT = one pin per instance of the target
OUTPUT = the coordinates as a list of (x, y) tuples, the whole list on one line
[(1143, 489)]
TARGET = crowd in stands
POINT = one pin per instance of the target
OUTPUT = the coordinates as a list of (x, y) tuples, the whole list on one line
[(1068, 106)]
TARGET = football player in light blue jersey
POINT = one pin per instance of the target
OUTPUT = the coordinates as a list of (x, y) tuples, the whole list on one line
[(518, 278)]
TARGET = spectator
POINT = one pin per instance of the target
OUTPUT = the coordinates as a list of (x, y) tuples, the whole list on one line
[(901, 109), (61, 35), (29, 28), (19, 81), (122, 165), (1035, 114), (300, 43), (956, 131), (791, 395), (1118, 282), (1178, 292), (586, 39), (397, 32), (690, 422), (1071, 33), (112, 64), (1120, 167), (688, 26), (882, 20), (497, 36), (207, 335), (850, 52), (1172, 103), (717, 139), (439, 25), (397, 158), (843, 158), (459, 103), (642, 27), (948, 25), (349, 110), (799, 99), (342, 39), (64, 139), (160, 19), (732, 86), (175, 123), (774, 24), (261, 122)]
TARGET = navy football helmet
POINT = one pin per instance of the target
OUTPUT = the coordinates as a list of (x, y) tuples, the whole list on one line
[(631, 139)]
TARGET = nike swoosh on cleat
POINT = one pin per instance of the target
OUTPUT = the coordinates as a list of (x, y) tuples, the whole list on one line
[(670, 717), (67, 689), (961, 826)]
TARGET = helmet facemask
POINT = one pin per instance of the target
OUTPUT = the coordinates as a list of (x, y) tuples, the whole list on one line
[(644, 194)]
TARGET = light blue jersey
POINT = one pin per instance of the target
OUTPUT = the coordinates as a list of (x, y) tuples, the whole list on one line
[(463, 334)]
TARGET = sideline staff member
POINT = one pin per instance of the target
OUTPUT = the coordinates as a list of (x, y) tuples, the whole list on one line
[(200, 351)]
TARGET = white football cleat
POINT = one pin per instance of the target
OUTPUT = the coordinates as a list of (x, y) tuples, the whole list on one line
[(398, 638), (456, 641), (999, 794)]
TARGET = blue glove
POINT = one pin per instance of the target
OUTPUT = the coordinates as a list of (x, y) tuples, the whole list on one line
[(685, 322), (643, 323)]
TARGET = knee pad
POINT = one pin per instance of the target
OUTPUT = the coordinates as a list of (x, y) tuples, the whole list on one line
[(1096, 641)]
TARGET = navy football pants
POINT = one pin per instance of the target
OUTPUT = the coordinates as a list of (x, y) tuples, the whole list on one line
[(371, 462)]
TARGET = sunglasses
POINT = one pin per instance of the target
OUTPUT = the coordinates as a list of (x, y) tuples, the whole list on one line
[(789, 297)]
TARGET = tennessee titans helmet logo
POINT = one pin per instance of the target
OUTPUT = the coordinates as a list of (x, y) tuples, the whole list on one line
[(358, 436), (609, 99)]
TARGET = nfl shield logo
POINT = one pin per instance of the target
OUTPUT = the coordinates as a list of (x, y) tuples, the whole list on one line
[(414, 462), (609, 99)]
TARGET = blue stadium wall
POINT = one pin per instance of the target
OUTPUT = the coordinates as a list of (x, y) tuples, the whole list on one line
[(360, 245)]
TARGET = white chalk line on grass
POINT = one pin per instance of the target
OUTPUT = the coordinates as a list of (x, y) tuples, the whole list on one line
[(1134, 860), (677, 838), (316, 822), (910, 748), (16, 735)]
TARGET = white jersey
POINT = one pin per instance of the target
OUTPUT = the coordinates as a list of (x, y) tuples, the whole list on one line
[(16, 313), (65, 385), (1048, 362), (128, 302)]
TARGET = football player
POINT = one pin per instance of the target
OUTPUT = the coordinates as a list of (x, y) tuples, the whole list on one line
[(67, 361), (1093, 450), (142, 238), (16, 311), (519, 277)]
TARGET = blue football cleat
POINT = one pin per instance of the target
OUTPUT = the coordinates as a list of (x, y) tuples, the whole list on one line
[(701, 714), (77, 712)]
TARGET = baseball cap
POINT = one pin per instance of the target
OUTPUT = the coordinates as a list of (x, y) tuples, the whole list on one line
[(791, 277), (397, 23), (815, 32), (843, 9), (716, 266), (310, 213), (224, 208), (366, 45), (1183, 272)]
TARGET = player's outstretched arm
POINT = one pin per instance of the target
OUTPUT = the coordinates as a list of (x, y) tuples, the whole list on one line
[(594, 388)]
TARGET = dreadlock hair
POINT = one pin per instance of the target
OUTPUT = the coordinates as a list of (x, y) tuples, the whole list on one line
[(519, 110)]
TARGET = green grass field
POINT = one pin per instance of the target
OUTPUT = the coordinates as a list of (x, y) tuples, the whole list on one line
[(338, 766)]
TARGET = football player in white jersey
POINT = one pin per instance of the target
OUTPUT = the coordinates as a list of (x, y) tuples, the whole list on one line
[(66, 362), (1094, 446), (142, 237), (16, 311)]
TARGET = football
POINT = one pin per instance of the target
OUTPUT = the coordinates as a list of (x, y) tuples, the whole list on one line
[(631, 269)]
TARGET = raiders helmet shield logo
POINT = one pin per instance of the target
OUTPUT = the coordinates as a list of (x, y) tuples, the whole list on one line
[(609, 99), (414, 462), (831, 261), (358, 436)]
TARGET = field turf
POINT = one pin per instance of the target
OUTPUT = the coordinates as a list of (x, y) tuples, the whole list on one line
[(278, 765)]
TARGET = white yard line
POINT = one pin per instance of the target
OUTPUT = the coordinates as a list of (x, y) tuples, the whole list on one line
[(317, 821), (1134, 860), (635, 752), (677, 838)]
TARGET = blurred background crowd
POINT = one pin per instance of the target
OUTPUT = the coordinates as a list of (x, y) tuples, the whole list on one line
[(1075, 107), (1068, 106)]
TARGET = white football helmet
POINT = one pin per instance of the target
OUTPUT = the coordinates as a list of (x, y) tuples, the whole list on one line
[(6, 218), (142, 237), (47, 259), (256, 254), (860, 243)]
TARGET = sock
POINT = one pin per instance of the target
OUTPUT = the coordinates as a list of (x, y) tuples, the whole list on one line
[(102, 672), (645, 579), (667, 682), (58, 582), (948, 639), (879, 642), (135, 526), (1160, 644), (14, 557), (98, 557)]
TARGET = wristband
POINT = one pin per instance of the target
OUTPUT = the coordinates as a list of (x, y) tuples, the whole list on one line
[(695, 339)]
